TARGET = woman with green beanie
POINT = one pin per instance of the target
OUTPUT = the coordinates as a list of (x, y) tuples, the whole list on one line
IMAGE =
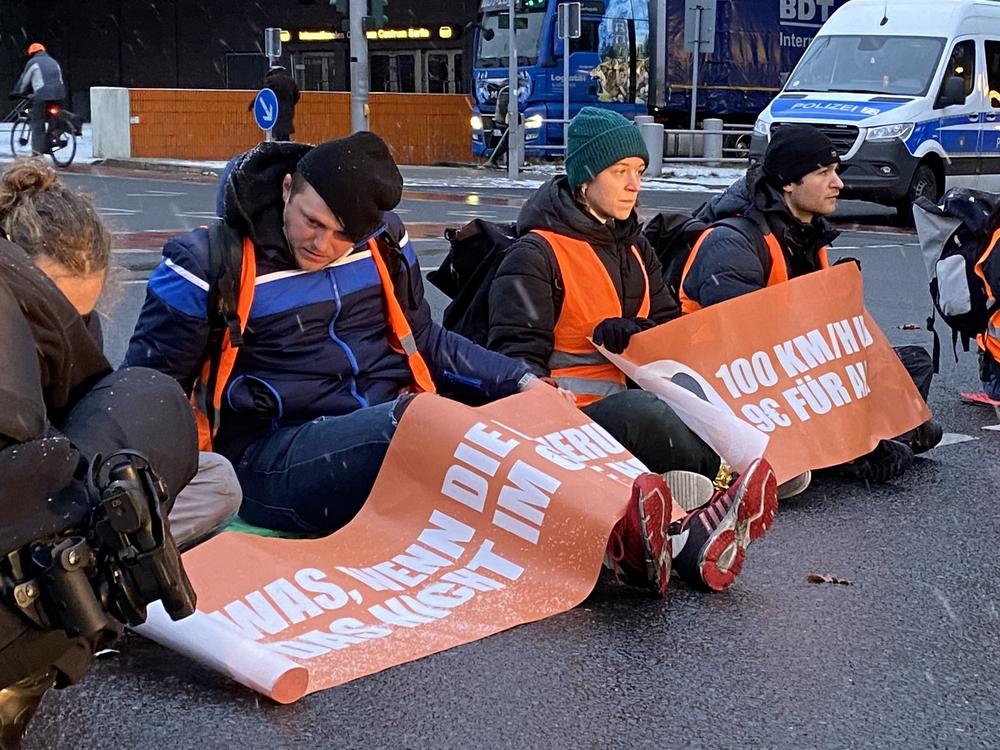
[(581, 270)]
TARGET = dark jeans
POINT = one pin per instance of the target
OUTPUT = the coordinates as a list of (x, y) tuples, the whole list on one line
[(992, 387), (39, 120), (132, 408), (653, 433), (315, 477), (140, 409), (919, 365)]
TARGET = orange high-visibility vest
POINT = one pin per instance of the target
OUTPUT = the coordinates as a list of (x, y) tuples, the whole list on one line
[(401, 339), (779, 268), (989, 340), (590, 297), (402, 335)]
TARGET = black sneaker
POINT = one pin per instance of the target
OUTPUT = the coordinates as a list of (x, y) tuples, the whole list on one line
[(887, 462), (925, 437)]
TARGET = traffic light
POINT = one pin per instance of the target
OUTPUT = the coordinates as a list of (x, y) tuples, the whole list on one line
[(343, 6), (531, 4)]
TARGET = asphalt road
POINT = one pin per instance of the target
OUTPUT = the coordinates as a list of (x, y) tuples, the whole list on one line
[(904, 657)]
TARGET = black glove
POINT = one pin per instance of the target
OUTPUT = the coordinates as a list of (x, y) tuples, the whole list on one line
[(614, 333)]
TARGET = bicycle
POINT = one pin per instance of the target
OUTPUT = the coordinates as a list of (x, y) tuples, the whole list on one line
[(60, 133)]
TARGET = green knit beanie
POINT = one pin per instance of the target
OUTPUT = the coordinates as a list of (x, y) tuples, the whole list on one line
[(597, 139)]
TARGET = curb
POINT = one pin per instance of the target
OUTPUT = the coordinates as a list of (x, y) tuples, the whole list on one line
[(157, 166)]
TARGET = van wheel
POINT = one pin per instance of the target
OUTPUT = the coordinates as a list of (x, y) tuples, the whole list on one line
[(742, 146), (923, 185)]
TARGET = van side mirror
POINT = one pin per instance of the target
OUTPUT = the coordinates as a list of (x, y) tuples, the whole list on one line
[(953, 92), (783, 77)]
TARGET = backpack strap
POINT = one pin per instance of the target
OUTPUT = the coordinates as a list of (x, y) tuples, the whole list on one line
[(936, 346), (225, 269)]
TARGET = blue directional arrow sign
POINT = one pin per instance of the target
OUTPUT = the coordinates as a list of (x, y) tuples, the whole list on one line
[(265, 109)]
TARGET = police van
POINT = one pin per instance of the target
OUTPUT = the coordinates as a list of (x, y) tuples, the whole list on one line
[(908, 90)]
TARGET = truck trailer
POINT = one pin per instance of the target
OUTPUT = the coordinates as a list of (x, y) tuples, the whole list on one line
[(618, 62)]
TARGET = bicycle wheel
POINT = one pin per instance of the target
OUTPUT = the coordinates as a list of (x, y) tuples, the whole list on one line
[(62, 144), (20, 138)]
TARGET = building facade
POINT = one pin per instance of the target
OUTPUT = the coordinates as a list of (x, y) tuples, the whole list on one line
[(425, 45)]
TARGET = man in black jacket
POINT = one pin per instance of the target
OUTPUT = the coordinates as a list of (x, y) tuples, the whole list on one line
[(287, 92), (787, 198)]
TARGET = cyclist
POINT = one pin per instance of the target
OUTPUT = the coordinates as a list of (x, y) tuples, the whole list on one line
[(42, 81)]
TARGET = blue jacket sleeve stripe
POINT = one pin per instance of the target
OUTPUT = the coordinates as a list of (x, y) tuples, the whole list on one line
[(282, 292), (180, 289)]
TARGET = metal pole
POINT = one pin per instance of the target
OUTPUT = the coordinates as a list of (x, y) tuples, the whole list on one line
[(658, 53), (694, 76), (359, 67), (513, 142), (565, 91)]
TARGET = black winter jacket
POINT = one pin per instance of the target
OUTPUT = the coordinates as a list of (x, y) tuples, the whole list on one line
[(287, 93), (729, 264), (527, 293)]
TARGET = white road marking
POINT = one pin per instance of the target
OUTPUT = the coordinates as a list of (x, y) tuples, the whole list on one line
[(118, 211), (474, 214), (199, 215), (155, 194), (954, 438)]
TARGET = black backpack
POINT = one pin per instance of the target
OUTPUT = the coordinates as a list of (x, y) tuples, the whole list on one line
[(467, 274), (673, 234), (954, 236)]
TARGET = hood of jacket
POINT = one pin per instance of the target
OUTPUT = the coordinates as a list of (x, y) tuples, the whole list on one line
[(253, 205), (553, 208), (755, 198)]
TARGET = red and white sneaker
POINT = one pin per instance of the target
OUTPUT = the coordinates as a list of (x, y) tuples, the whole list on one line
[(638, 551), (709, 544)]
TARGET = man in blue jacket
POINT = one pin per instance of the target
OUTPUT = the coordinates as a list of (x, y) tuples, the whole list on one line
[(319, 382), (42, 80)]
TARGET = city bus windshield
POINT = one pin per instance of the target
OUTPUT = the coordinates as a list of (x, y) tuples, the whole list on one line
[(900, 65), (494, 52)]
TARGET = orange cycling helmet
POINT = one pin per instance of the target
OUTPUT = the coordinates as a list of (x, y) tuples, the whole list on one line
[(35, 47)]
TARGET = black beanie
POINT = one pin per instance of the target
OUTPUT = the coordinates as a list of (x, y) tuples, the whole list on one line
[(357, 178), (795, 151)]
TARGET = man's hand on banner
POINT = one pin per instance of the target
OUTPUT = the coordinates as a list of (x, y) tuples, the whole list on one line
[(614, 333), (533, 383)]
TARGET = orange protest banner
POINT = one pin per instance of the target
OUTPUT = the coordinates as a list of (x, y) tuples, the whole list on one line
[(480, 520), (803, 362)]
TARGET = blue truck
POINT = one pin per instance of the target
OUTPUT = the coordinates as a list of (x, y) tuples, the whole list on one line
[(617, 60)]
